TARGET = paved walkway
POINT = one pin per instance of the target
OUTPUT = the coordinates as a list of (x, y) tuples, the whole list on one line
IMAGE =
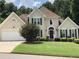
[(7, 47), (19, 56)]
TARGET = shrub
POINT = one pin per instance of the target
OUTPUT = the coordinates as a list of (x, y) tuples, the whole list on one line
[(30, 32), (63, 39), (57, 39), (76, 41), (70, 39), (67, 39), (43, 39)]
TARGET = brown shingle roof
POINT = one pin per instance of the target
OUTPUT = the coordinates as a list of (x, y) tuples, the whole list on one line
[(48, 13), (24, 17)]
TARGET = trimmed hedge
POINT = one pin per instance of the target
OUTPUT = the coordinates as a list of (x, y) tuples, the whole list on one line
[(65, 39), (57, 39), (76, 41)]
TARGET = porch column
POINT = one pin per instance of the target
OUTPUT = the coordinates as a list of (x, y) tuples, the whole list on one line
[(77, 32), (66, 33)]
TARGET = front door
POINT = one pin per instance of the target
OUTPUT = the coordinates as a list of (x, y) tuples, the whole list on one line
[(51, 32)]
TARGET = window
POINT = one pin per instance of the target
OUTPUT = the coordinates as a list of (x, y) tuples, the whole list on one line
[(75, 33), (63, 33), (40, 21), (72, 33), (32, 20), (59, 22), (28, 19), (37, 21), (50, 22)]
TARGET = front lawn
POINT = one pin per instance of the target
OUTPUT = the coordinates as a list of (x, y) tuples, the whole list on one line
[(49, 48)]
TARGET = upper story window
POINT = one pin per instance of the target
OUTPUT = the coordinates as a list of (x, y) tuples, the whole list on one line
[(28, 19), (50, 22), (37, 21), (34, 21), (59, 22)]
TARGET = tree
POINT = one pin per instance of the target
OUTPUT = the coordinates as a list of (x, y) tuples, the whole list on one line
[(75, 11), (23, 10), (49, 6), (2, 5), (63, 7), (60, 7), (9, 7), (30, 32)]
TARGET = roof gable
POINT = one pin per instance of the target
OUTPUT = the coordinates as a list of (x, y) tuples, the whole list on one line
[(12, 15), (44, 12), (36, 10), (68, 24)]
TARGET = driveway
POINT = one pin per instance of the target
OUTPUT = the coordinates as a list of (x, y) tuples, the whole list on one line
[(21, 56), (7, 47)]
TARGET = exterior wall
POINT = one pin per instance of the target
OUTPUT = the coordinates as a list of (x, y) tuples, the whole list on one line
[(37, 14), (55, 25), (67, 25), (12, 23), (45, 24)]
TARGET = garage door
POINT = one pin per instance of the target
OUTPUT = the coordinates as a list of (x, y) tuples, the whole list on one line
[(11, 36)]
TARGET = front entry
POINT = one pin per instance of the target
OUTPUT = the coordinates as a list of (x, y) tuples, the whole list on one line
[(51, 32)]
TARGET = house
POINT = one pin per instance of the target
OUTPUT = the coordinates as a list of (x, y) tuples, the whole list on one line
[(48, 21)]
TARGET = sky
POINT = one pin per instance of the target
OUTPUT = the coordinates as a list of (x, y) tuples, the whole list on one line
[(28, 3)]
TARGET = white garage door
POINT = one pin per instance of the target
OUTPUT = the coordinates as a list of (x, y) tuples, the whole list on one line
[(11, 36)]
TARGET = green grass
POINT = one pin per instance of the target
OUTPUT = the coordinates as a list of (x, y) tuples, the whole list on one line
[(50, 48)]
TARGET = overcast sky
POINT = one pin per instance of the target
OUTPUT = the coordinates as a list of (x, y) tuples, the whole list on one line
[(28, 3)]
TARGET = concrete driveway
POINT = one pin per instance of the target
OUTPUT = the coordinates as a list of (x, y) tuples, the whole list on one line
[(7, 47)]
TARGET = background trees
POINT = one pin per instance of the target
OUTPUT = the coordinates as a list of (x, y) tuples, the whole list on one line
[(7, 8), (75, 11), (23, 10), (65, 8), (60, 7)]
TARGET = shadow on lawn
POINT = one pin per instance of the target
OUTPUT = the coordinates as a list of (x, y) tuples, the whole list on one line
[(36, 42)]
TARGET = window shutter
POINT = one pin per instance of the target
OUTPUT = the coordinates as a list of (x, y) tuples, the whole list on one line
[(32, 20), (40, 21)]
